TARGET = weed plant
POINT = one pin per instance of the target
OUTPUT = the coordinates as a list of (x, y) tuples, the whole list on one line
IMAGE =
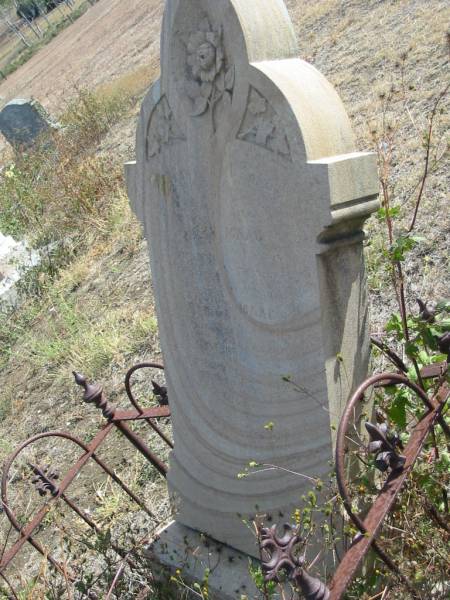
[(61, 195)]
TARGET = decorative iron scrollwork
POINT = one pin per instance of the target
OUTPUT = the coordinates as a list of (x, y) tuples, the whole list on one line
[(44, 480), (384, 444), (281, 559)]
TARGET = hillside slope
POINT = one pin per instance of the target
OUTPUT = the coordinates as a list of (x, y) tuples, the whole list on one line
[(110, 39)]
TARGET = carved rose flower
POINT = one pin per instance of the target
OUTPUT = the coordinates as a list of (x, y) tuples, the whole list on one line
[(210, 81), (205, 53)]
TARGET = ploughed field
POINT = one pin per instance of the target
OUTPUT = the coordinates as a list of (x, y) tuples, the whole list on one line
[(112, 38)]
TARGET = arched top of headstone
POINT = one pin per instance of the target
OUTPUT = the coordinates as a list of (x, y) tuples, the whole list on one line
[(210, 51), (23, 121), (263, 31)]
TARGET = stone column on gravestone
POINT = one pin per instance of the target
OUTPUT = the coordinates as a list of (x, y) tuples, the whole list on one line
[(252, 196)]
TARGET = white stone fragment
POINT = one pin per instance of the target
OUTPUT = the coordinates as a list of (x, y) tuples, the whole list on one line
[(15, 258)]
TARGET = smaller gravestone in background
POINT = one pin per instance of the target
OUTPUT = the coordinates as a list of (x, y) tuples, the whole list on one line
[(24, 121)]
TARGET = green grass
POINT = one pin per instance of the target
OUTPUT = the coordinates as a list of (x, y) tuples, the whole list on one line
[(50, 191), (84, 336)]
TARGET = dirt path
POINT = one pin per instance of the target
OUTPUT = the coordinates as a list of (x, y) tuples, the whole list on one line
[(111, 38)]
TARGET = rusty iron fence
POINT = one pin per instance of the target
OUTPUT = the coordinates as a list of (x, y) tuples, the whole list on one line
[(281, 559), (47, 481)]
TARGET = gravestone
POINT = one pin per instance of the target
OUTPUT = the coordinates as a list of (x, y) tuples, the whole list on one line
[(252, 196), (24, 121)]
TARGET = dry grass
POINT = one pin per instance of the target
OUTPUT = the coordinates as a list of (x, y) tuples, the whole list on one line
[(90, 313), (367, 49)]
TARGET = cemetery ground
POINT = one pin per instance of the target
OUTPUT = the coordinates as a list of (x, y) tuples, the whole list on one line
[(87, 308)]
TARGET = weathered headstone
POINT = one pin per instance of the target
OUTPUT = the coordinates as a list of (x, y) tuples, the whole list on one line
[(252, 197), (24, 121)]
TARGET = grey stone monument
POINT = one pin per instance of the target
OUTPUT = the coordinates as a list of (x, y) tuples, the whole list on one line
[(24, 121), (253, 197)]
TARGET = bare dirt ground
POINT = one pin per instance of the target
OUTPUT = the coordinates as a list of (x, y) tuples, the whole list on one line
[(110, 39)]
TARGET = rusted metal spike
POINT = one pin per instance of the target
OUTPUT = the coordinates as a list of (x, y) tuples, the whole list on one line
[(92, 391), (93, 394), (160, 392), (312, 588)]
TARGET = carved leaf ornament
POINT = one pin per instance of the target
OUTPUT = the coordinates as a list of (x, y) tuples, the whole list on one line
[(162, 128), (263, 126)]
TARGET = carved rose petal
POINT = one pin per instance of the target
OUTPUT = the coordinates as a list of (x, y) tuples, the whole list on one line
[(192, 89), (200, 106), (206, 89), (196, 39), (209, 75)]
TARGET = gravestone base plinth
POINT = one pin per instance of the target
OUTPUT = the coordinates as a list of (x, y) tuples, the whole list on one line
[(192, 553)]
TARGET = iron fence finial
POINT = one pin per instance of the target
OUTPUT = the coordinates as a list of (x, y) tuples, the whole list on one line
[(281, 554)]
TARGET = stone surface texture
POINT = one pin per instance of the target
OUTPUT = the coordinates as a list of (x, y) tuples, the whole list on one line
[(15, 259), (180, 548), (252, 196), (23, 121)]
